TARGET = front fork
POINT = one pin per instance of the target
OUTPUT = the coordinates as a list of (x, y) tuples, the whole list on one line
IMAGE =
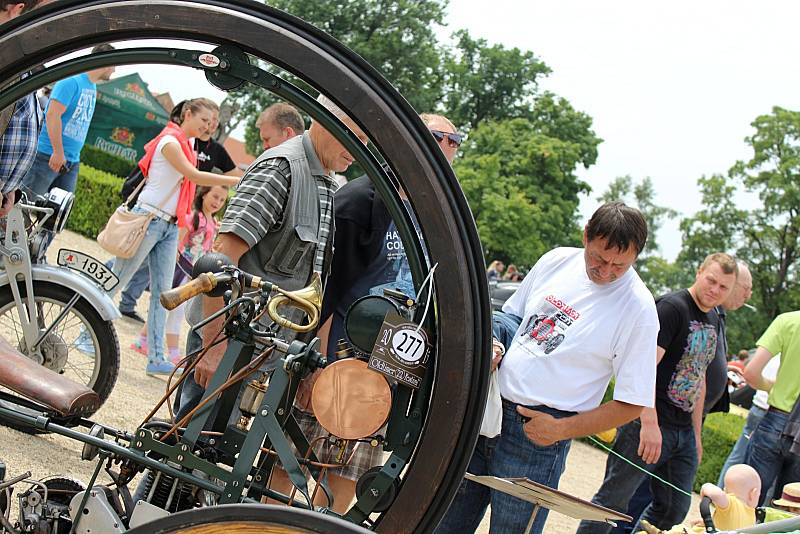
[(17, 262)]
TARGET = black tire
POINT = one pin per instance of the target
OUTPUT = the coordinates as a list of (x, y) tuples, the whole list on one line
[(98, 372), (247, 518)]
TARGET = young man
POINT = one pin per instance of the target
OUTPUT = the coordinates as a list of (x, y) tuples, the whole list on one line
[(582, 316), (666, 439), (773, 449), (67, 119)]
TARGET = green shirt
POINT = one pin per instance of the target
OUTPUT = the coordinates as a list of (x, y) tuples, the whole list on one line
[(783, 336)]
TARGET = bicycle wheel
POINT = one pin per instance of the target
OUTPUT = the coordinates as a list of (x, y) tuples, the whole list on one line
[(81, 346), (442, 421)]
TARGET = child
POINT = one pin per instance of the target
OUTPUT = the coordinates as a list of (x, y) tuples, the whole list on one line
[(735, 507), (194, 240)]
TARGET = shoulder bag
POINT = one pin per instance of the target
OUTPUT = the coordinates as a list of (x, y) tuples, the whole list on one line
[(125, 230)]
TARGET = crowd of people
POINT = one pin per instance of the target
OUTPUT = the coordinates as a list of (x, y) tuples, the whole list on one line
[(580, 318)]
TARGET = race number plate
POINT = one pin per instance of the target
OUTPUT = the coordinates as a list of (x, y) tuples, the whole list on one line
[(401, 351), (94, 269)]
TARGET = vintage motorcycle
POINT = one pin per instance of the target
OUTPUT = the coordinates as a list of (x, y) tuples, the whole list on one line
[(59, 317)]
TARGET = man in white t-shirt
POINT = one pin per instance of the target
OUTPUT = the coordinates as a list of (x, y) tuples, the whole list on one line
[(581, 316)]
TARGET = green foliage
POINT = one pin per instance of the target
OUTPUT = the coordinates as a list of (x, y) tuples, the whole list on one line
[(658, 274), (102, 160), (396, 37), (766, 237), (96, 199), (522, 189), (485, 82), (720, 432)]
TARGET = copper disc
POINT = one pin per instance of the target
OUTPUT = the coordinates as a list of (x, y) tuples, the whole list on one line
[(350, 400)]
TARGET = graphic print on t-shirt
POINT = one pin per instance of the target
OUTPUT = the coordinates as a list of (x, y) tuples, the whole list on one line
[(701, 344), (77, 126), (548, 325), (396, 273)]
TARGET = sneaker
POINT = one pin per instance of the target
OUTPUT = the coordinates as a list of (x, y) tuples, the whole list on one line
[(132, 315), (140, 346), (160, 368), (84, 342)]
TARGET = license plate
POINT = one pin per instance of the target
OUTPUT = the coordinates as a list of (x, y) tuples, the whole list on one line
[(93, 268)]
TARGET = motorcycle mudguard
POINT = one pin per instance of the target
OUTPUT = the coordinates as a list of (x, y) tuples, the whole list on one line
[(94, 295)]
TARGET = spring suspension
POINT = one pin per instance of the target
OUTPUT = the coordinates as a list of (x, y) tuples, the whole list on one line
[(167, 492)]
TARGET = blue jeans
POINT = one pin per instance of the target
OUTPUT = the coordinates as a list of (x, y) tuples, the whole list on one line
[(738, 454), (159, 248), (768, 453), (511, 454), (134, 289), (677, 465), (41, 178)]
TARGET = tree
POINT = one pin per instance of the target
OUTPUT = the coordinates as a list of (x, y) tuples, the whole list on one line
[(485, 82), (657, 273), (522, 188), (394, 36), (766, 237)]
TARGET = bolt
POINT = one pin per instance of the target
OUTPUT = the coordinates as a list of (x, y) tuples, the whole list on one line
[(281, 411), (374, 492), (235, 483), (212, 441), (223, 64), (184, 447), (173, 53), (142, 433), (264, 413), (254, 74), (180, 457), (258, 478), (139, 444)]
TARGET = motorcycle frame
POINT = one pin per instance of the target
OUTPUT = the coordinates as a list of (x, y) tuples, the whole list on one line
[(461, 304)]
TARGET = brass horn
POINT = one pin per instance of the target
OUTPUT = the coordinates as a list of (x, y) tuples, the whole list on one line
[(308, 299)]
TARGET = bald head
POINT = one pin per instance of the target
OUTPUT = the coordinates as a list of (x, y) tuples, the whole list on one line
[(744, 482), (742, 290)]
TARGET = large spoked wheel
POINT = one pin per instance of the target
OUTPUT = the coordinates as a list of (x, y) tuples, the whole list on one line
[(248, 519), (81, 345), (440, 427)]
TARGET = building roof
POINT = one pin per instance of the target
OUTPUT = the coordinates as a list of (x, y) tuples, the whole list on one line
[(238, 152)]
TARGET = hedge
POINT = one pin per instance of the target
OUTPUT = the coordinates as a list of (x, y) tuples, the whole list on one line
[(102, 160), (720, 432), (97, 195)]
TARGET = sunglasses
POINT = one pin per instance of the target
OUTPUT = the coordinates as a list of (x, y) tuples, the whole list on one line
[(453, 139)]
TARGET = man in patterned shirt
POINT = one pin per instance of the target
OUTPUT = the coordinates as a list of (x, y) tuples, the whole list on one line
[(262, 233), (19, 125)]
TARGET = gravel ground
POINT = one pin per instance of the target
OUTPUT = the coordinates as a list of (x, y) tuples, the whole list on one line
[(135, 393)]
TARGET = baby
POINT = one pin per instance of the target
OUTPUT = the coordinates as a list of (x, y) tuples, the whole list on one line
[(735, 507)]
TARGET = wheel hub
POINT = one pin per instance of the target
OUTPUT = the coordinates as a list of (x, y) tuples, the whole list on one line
[(53, 350)]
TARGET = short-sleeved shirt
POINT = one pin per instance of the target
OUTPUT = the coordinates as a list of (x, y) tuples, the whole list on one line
[(78, 94), (689, 337), (576, 334), (783, 336), (212, 155), (260, 201)]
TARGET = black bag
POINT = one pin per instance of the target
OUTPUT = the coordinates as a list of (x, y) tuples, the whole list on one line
[(130, 184)]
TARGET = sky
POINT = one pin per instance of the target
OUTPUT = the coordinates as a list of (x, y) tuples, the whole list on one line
[(672, 87)]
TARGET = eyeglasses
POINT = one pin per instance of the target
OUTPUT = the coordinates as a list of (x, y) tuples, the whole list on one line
[(453, 139)]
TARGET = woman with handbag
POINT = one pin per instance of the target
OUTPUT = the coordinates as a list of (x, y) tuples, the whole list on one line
[(166, 197)]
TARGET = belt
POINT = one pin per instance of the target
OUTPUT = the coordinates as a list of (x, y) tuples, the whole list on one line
[(774, 409), (163, 215)]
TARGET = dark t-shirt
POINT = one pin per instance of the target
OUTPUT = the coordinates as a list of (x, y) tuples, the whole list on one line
[(689, 337), (211, 154), (717, 372)]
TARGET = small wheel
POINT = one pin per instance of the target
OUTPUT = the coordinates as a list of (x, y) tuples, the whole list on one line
[(82, 346), (248, 519)]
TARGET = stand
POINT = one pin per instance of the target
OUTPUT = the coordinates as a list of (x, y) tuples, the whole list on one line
[(542, 496)]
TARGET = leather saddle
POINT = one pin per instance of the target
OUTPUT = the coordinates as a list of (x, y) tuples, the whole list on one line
[(44, 386)]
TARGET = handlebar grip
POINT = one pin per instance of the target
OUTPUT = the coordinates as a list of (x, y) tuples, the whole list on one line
[(175, 297)]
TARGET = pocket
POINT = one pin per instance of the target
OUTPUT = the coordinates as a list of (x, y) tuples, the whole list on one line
[(292, 251)]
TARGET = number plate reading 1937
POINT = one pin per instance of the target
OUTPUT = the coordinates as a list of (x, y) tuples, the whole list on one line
[(94, 269), (401, 351)]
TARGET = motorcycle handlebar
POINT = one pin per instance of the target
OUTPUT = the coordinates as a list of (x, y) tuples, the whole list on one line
[(202, 284)]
